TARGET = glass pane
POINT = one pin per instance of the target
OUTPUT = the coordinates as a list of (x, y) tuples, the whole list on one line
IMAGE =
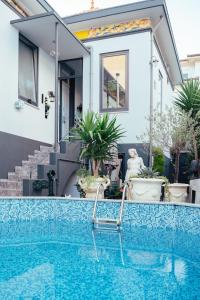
[(114, 81), (26, 72)]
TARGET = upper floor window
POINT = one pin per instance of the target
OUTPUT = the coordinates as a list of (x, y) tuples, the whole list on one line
[(28, 71), (114, 81)]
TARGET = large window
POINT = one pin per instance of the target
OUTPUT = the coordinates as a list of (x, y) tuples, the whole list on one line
[(28, 71), (114, 81)]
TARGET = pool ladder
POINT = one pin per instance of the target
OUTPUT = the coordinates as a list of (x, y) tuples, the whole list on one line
[(102, 222)]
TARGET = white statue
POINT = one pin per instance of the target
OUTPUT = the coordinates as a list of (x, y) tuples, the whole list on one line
[(135, 164)]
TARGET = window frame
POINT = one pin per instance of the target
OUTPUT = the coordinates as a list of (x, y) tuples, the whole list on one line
[(35, 51), (111, 54)]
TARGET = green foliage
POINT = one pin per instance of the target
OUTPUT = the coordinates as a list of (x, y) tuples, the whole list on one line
[(159, 160), (188, 97), (188, 101), (148, 173), (83, 172), (99, 135)]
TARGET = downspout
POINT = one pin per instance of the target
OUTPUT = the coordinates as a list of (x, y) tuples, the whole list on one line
[(91, 79), (152, 33), (56, 89)]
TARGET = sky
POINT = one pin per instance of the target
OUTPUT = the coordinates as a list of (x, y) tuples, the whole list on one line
[(184, 17)]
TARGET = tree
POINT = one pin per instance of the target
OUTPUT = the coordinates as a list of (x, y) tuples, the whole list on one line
[(172, 132), (188, 97), (188, 101)]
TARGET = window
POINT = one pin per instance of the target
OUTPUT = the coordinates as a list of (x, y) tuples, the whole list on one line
[(114, 81), (185, 76), (160, 78), (28, 71)]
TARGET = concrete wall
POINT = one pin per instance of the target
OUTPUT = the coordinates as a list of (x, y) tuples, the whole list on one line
[(14, 149), (29, 122), (138, 45)]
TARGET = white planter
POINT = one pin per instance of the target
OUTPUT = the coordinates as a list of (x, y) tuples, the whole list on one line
[(145, 189), (90, 188), (177, 192)]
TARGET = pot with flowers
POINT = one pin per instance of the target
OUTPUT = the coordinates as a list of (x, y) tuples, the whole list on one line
[(99, 135)]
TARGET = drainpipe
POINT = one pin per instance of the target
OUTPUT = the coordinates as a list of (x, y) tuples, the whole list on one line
[(56, 89), (91, 79), (152, 33)]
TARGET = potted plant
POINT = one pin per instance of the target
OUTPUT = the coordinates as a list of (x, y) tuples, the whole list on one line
[(146, 186), (99, 135), (172, 133)]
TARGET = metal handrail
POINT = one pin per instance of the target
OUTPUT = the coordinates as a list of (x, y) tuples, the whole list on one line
[(122, 203), (96, 199), (119, 220)]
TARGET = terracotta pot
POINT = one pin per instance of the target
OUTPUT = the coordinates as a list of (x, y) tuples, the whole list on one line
[(90, 188)]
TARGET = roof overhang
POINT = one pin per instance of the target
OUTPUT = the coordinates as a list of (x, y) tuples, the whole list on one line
[(152, 9), (40, 30)]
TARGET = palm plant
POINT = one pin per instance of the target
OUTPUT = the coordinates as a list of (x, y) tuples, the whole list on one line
[(99, 135), (188, 97), (188, 101)]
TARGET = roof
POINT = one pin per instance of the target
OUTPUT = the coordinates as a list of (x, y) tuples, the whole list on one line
[(40, 29), (191, 58), (28, 7), (143, 9)]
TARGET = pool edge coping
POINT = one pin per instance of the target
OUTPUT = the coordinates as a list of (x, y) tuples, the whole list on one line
[(192, 205)]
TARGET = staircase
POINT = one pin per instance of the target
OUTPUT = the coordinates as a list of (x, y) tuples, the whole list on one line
[(13, 186)]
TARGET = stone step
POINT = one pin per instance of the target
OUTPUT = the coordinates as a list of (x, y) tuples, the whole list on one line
[(25, 163), (28, 170), (12, 176), (38, 160), (10, 184), (23, 172), (42, 156), (46, 149), (32, 159)]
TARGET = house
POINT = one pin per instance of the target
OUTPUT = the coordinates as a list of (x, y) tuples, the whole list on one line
[(191, 66), (122, 60)]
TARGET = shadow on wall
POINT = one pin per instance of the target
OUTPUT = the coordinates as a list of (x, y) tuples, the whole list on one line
[(70, 188)]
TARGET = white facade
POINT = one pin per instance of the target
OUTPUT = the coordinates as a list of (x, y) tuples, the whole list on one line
[(191, 67), (162, 87), (139, 47), (139, 79), (28, 122)]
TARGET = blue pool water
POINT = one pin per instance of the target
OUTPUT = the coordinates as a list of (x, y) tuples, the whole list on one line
[(56, 259)]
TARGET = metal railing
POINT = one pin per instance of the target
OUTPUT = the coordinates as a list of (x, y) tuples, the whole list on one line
[(96, 200), (118, 221)]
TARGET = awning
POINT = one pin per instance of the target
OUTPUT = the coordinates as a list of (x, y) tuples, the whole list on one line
[(40, 30)]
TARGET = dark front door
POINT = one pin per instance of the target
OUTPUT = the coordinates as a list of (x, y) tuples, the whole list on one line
[(67, 97), (70, 94)]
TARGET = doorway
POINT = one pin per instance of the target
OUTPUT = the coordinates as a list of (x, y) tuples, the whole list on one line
[(70, 95)]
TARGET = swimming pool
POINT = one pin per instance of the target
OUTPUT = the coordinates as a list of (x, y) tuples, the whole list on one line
[(48, 250)]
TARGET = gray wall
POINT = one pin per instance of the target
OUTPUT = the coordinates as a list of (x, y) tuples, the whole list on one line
[(14, 149)]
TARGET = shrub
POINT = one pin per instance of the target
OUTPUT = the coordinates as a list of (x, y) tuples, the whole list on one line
[(159, 160)]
